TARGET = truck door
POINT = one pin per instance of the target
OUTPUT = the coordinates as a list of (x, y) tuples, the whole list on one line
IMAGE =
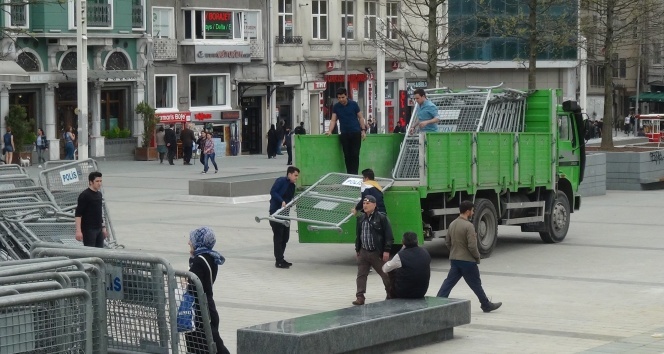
[(568, 149)]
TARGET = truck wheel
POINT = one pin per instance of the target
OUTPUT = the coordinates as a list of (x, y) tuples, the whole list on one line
[(485, 221), (556, 218)]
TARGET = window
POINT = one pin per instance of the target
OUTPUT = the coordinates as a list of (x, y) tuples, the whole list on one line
[(164, 87), (17, 13), (565, 128), (623, 68), (28, 62), (214, 24), (208, 90), (656, 53), (370, 13), (117, 61), (619, 66), (163, 22), (285, 18), (392, 18), (319, 19), (596, 73), (138, 14), (347, 11)]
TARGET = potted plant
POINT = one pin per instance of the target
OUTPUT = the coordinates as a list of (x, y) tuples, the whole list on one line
[(22, 130), (146, 152)]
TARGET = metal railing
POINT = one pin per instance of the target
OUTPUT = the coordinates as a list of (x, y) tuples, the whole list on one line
[(137, 16), (18, 15)]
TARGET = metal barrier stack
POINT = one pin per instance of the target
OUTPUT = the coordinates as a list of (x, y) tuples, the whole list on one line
[(326, 204), (140, 302)]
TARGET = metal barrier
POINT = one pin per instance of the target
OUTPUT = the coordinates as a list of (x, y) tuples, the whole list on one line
[(11, 169), (141, 299), (326, 204), (55, 321), (8, 182)]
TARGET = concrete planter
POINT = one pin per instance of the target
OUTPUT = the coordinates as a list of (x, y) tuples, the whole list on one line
[(121, 147), (635, 170), (594, 180)]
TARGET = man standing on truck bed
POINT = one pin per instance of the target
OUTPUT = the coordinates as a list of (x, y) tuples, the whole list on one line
[(427, 112), (464, 257), (353, 129)]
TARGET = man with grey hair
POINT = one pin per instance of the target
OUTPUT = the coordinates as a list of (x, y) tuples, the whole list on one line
[(409, 270)]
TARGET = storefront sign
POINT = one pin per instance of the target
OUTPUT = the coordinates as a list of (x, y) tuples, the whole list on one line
[(230, 115), (370, 97), (395, 65), (317, 85), (251, 102), (251, 19), (201, 116), (219, 24), (174, 117), (415, 84), (222, 53), (329, 65), (389, 103)]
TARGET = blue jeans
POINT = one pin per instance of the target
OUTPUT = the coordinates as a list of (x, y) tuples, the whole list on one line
[(470, 273), (69, 151), (209, 157)]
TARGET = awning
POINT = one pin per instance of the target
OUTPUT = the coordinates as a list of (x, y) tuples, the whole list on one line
[(649, 97), (338, 76), (106, 75), (12, 72)]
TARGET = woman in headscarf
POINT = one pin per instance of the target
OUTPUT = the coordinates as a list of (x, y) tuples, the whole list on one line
[(204, 262), (272, 142)]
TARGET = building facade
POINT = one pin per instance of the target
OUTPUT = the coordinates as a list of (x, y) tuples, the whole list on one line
[(41, 38)]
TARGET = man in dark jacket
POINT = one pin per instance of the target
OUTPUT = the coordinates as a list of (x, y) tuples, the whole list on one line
[(171, 143), (373, 241), (299, 130), (282, 192), (187, 137), (410, 270), (370, 187)]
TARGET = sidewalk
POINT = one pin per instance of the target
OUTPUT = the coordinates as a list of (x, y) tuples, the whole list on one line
[(602, 286)]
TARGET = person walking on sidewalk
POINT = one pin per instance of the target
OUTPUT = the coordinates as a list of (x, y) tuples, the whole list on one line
[(42, 145), (90, 227), (461, 240), (161, 144), (373, 241), (209, 154), (187, 137), (281, 193), (171, 143)]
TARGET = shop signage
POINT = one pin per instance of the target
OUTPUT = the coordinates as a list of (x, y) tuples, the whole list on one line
[(201, 116), (395, 65), (230, 115), (317, 85), (388, 103), (412, 85), (251, 101), (370, 97), (222, 53), (329, 65), (174, 117), (219, 24)]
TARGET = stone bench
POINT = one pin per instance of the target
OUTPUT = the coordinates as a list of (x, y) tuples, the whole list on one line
[(234, 186), (378, 327)]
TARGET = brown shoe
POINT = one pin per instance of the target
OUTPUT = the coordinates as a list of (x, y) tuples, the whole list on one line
[(359, 301)]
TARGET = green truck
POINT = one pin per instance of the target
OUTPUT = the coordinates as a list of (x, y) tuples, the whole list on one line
[(518, 156)]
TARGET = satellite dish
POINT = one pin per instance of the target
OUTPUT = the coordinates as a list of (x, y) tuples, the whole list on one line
[(77, 111)]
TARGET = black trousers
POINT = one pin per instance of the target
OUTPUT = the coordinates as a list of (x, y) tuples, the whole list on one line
[(93, 238), (350, 144), (186, 153), (280, 237), (171, 153), (289, 150)]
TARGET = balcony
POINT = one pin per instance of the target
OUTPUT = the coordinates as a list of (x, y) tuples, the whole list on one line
[(18, 15), (165, 49), (288, 40), (257, 49), (137, 16), (99, 15)]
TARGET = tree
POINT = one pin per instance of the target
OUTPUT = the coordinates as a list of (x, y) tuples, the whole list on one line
[(543, 29), (614, 24)]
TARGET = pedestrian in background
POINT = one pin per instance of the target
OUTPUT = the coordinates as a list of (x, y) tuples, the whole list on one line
[(209, 154), (161, 144), (69, 138), (89, 219), (201, 146), (204, 262), (299, 130), (409, 270), (8, 149), (187, 137), (373, 241), (282, 193), (171, 143), (461, 240), (281, 129), (272, 142), (42, 145), (353, 129), (288, 143)]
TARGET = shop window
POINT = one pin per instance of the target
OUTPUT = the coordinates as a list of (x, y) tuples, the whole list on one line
[(28, 62), (319, 19), (163, 22), (165, 91), (117, 61), (208, 90)]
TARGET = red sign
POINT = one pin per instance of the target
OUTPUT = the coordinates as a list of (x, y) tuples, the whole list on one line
[(329, 65), (388, 103), (230, 115), (202, 116), (403, 106), (218, 16), (320, 85), (395, 65), (174, 117)]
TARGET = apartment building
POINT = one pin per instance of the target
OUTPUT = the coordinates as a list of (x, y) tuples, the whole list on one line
[(44, 46), (311, 39)]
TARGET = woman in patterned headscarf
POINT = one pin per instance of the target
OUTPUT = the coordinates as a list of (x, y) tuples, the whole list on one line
[(204, 262)]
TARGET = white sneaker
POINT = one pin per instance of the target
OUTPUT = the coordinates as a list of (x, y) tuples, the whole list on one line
[(40, 166)]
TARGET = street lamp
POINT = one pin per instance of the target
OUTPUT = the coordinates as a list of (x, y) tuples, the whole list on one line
[(82, 77)]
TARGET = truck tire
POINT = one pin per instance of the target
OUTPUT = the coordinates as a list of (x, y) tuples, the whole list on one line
[(556, 218), (485, 221)]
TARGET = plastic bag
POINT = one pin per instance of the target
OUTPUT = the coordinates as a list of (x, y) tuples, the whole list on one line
[(185, 317)]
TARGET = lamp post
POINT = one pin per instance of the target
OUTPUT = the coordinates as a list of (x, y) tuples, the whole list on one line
[(346, 46), (82, 77)]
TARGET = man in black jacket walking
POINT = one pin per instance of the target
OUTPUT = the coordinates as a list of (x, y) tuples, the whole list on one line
[(372, 245), (409, 270), (171, 143), (187, 137)]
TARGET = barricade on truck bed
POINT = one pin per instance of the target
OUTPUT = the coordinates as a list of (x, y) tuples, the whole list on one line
[(141, 300)]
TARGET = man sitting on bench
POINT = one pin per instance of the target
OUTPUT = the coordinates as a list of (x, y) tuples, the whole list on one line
[(409, 270)]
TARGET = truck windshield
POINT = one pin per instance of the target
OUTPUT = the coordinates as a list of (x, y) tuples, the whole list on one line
[(566, 129)]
